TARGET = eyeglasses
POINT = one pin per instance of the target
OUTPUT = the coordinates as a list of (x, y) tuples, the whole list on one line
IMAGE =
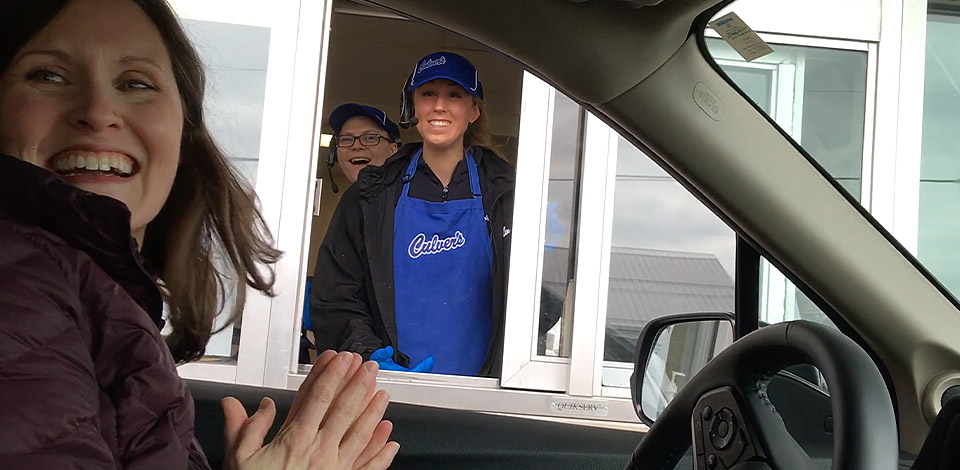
[(367, 140)]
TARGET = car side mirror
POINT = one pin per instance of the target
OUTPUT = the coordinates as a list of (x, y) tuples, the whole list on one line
[(669, 352)]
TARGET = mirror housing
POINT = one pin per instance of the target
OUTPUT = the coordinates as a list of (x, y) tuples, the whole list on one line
[(670, 350)]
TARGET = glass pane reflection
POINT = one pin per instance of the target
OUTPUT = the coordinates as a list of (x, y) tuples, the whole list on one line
[(560, 242), (669, 254), (235, 57)]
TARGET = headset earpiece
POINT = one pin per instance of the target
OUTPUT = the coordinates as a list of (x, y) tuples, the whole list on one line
[(332, 156), (408, 117), (331, 161)]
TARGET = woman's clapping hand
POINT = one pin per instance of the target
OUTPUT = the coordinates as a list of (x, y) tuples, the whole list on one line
[(335, 423)]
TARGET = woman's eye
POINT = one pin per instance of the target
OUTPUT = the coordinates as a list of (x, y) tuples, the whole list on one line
[(46, 76), (137, 85)]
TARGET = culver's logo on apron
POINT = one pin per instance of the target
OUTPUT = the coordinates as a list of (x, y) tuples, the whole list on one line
[(421, 246)]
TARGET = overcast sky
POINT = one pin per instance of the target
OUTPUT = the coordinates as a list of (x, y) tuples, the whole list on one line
[(235, 57), (651, 210)]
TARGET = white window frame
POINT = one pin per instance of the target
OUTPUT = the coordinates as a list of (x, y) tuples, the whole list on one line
[(895, 197), (522, 367), (595, 252), (284, 122), (856, 20), (282, 330)]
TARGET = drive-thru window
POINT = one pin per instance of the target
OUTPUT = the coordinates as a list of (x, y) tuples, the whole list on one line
[(603, 237)]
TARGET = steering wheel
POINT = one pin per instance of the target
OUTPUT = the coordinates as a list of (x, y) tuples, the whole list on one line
[(724, 409)]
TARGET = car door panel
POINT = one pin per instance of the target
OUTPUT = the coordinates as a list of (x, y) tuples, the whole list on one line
[(442, 438)]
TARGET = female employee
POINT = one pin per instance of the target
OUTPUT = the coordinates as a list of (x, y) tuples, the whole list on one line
[(415, 256)]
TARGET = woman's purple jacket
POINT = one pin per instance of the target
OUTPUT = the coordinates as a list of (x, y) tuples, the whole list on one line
[(86, 380)]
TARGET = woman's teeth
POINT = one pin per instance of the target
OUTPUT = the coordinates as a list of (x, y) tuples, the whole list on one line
[(360, 161), (69, 163), (440, 123)]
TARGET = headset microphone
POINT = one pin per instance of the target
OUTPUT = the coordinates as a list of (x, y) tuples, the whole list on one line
[(333, 183)]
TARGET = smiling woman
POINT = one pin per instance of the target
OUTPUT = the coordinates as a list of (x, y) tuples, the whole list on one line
[(104, 149), (125, 120), (448, 205), (107, 120)]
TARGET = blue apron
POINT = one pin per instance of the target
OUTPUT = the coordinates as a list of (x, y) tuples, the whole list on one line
[(443, 276)]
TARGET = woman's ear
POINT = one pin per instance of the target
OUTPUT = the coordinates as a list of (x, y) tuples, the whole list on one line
[(475, 113), (393, 146)]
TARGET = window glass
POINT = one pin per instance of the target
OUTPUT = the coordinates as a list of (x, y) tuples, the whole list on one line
[(235, 58), (939, 165), (781, 301), (559, 243), (669, 255), (818, 97), (756, 81)]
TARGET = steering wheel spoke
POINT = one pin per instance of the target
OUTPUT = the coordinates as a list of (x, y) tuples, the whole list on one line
[(721, 436)]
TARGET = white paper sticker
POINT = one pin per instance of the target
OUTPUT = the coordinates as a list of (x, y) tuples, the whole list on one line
[(743, 39)]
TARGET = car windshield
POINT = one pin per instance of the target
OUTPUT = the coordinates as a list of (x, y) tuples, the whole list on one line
[(882, 124)]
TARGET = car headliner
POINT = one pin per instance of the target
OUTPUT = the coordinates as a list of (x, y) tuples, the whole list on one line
[(626, 43)]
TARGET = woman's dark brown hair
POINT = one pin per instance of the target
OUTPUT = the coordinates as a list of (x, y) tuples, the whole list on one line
[(210, 221)]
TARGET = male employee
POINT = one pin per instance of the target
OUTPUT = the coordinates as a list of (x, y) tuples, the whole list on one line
[(362, 135)]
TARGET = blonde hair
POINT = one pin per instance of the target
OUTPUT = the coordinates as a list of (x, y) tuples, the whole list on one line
[(478, 133)]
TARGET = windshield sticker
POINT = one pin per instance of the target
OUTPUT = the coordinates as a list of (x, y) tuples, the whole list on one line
[(740, 37)]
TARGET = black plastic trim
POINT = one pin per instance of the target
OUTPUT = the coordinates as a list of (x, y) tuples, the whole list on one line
[(746, 289)]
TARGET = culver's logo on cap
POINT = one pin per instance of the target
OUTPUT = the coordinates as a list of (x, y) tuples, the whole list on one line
[(420, 245), (426, 64)]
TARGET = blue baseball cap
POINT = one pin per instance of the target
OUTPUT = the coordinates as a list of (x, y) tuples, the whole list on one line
[(453, 67), (346, 111)]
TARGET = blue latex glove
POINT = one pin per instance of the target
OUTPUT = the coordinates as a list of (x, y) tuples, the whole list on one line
[(384, 357)]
